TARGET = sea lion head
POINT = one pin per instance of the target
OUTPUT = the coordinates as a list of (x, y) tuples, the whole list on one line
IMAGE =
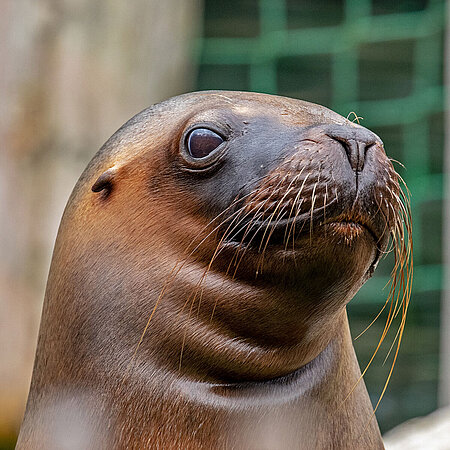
[(240, 224)]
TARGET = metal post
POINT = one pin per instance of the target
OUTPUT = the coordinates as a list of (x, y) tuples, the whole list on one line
[(444, 385)]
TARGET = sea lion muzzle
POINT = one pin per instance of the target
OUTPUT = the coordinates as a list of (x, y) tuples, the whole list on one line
[(336, 174)]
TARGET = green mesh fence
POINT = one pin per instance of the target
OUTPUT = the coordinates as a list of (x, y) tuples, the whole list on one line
[(384, 61)]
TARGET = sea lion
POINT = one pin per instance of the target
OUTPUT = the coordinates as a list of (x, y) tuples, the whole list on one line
[(198, 288)]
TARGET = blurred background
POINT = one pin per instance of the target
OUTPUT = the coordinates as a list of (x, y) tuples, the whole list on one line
[(72, 71)]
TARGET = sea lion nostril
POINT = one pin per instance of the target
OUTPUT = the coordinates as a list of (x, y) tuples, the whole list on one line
[(355, 141), (356, 153)]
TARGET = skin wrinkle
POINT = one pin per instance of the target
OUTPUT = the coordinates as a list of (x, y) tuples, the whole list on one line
[(204, 306)]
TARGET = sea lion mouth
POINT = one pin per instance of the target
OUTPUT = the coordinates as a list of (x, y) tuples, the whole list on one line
[(261, 234), (351, 230), (352, 226)]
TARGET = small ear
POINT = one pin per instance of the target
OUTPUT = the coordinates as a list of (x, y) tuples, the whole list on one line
[(105, 180)]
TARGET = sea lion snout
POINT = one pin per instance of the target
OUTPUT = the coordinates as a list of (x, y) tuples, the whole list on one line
[(334, 172)]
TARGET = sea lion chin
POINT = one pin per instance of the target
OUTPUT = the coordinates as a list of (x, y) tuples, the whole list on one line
[(200, 277)]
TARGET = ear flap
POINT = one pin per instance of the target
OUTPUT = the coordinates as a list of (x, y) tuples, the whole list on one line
[(105, 181)]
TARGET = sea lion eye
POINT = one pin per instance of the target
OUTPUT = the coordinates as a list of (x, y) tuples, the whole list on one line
[(201, 142)]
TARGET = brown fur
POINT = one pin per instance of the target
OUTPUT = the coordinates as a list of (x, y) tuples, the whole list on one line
[(244, 346)]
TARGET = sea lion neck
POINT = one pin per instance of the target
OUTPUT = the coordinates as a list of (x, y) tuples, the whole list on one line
[(172, 316), (234, 331), (197, 319)]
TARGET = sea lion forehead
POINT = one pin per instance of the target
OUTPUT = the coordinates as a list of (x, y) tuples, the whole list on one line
[(185, 109), (251, 105)]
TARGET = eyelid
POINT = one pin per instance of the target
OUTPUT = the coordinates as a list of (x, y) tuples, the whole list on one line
[(222, 127)]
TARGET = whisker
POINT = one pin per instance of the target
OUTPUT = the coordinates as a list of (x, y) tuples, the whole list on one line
[(401, 278)]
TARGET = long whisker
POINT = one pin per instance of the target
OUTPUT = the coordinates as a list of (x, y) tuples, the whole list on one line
[(401, 280)]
